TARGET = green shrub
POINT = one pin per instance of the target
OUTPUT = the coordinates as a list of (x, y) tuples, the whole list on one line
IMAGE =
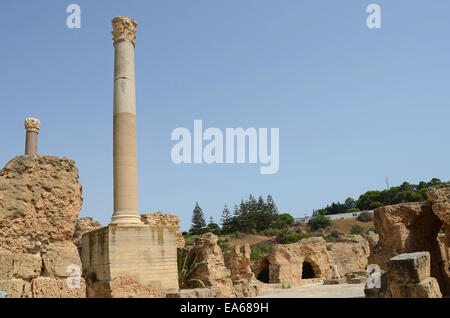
[(260, 249), (284, 220), (352, 210), (319, 221), (357, 229), (186, 268), (365, 216), (290, 237), (213, 228), (271, 232), (189, 239), (223, 244), (330, 239)]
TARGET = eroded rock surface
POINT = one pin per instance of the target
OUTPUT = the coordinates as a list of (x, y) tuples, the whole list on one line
[(244, 281), (160, 220), (211, 269), (414, 227), (40, 198), (84, 225)]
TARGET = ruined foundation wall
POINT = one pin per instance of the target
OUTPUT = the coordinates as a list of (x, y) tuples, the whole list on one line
[(160, 220), (40, 198), (350, 254), (286, 260)]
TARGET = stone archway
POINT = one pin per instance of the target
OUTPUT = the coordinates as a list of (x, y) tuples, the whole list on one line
[(308, 270), (261, 269), (264, 275)]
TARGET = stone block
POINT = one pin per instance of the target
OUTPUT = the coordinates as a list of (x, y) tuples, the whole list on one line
[(27, 266), (72, 291), (428, 288), (16, 288), (45, 287), (6, 265), (409, 268), (58, 259)]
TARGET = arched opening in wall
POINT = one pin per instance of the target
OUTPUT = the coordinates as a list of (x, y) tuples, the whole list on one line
[(424, 235), (264, 275), (307, 271)]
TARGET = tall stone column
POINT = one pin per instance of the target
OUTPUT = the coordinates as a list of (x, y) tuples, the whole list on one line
[(125, 156), (32, 126)]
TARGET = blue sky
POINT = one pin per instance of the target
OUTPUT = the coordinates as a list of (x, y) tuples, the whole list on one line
[(353, 105)]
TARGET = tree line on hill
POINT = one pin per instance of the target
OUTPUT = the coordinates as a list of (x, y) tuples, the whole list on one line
[(249, 216), (256, 215), (374, 199)]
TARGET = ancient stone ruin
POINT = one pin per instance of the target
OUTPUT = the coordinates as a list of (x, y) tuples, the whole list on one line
[(40, 199), (312, 258), (407, 276), (415, 227), (225, 275), (160, 220)]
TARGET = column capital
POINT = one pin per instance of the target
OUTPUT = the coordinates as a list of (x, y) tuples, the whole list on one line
[(124, 28), (32, 124)]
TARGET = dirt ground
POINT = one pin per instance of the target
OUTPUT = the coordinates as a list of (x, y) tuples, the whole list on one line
[(345, 225), (317, 291)]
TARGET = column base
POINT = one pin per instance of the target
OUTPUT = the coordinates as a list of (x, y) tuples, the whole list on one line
[(125, 219), (130, 261)]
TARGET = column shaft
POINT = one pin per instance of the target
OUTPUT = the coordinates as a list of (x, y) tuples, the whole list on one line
[(125, 154)]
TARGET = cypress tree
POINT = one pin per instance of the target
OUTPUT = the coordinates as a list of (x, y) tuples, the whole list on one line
[(198, 220)]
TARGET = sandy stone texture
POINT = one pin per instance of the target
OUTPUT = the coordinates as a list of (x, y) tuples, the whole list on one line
[(415, 227), (211, 269), (409, 277), (350, 253), (287, 260), (244, 282), (160, 220), (40, 198), (84, 225)]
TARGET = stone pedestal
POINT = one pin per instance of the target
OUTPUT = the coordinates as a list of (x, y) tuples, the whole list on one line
[(130, 261)]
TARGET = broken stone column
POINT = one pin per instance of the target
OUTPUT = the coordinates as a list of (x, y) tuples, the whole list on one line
[(125, 156), (409, 277), (32, 126)]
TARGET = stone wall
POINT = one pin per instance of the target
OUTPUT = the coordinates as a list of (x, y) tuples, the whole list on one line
[(40, 198), (287, 261), (312, 258), (224, 275), (238, 262), (160, 220), (211, 269), (350, 253), (414, 227)]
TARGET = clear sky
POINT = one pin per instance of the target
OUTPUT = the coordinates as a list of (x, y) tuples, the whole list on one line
[(353, 105)]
